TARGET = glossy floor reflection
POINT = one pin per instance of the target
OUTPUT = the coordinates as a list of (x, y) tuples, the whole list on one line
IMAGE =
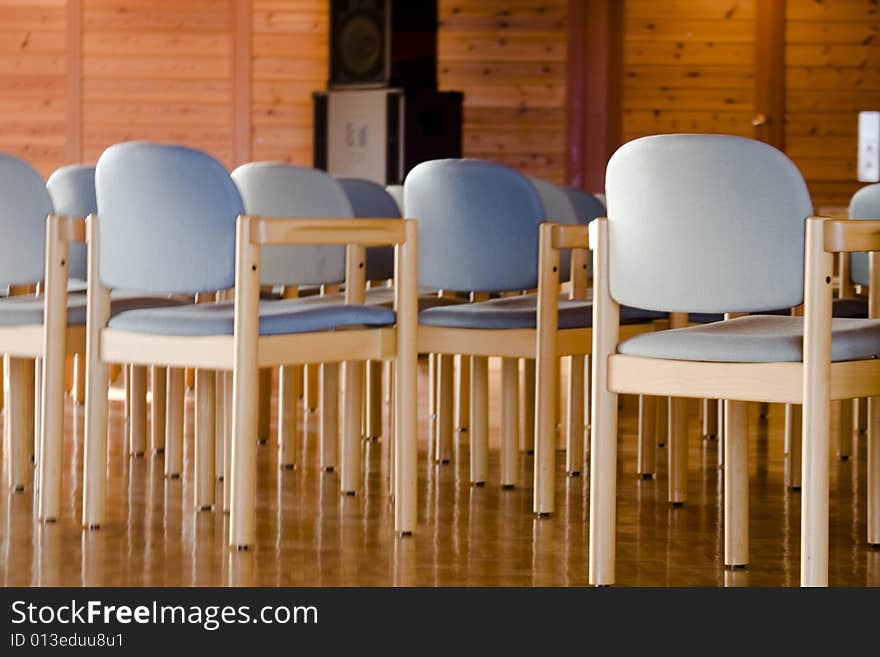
[(309, 535)]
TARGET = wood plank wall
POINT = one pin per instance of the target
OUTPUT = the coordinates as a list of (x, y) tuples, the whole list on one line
[(77, 75), (688, 66), (832, 52), (32, 81), (289, 62), (509, 59), (158, 70)]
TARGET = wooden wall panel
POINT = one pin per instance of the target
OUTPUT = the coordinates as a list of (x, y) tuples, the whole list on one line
[(289, 62), (32, 82), (832, 71), (509, 59), (688, 66), (157, 69)]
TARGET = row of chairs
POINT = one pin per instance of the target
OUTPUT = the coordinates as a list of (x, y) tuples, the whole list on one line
[(146, 194), (729, 209)]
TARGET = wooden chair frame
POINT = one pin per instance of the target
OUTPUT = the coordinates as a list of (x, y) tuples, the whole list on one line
[(545, 344), (50, 342), (815, 382), (245, 352)]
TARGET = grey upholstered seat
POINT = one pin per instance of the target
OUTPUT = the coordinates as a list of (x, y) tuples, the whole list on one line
[(522, 312), (26, 311), (276, 318), (708, 318), (755, 339), (384, 296)]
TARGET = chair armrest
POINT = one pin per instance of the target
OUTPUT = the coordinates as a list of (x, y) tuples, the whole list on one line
[(571, 237), (365, 232), (846, 236)]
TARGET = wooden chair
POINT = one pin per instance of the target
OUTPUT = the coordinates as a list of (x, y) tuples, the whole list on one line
[(194, 243), (707, 204), (479, 226)]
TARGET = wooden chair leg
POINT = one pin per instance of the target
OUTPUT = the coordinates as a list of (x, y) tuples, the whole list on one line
[(603, 474), (35, 450), (19, 421), (174, 422), (816, 407), (95, 447), (479, 424), (329, 416), (265, 411), (661, 426), (647, 458), (219, 427), (205, 430), (528, 405), (311, 388), (710, 418), (374, 400), (287, 415), (79, 379), (49, 455), (678, 451), (574, 445), (793, 432), (137, 420), (736, 485), (844, 429), (873, 474), (159, 388), (227, 440), (351, 469), (464, 393), (861, 415), (509, 422), (126, 383), (445, 408), (433, 403), (721, 409)]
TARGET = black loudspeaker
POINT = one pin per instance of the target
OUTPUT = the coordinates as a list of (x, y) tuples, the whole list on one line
[(380, 134), (383, 43)]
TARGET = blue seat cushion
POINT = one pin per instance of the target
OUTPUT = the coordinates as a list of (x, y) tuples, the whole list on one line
[(276, 318), (755, 339), (384, 296), (521, 312), (27, 311), (854, 307), (708, 318)]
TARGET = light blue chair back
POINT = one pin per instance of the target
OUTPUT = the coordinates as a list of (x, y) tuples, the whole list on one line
[(586, 205), (24, 206), (273, 189), (371, 200), (865, 204), (705, 223), (478, 225), (396, 192), (72, 189), (167, 219)]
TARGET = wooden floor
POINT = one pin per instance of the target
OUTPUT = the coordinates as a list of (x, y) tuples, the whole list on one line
[(310, 535)]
